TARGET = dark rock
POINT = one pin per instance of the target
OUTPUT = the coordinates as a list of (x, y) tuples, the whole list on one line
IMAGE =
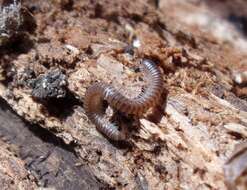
[(51, 85)]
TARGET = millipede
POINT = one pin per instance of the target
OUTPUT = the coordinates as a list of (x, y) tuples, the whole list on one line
[(99, 93)]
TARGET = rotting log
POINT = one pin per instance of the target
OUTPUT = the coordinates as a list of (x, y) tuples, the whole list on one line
[(32, 157), (181, 144)]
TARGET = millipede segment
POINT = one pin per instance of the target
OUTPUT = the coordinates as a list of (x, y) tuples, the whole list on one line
[(97, 93)]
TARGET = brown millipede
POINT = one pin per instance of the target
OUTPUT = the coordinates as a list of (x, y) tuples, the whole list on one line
[(100, 92)]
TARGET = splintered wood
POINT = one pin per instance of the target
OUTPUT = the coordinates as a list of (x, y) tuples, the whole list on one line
[(236, 168), (186, 142)]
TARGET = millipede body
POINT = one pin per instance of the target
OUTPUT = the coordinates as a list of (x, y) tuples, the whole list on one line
[(100, 92)]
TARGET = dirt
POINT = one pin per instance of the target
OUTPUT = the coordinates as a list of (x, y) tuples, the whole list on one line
[(186, 141)]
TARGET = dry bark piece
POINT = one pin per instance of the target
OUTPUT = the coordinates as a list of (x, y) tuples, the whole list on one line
[(39, 156), (13, 174)]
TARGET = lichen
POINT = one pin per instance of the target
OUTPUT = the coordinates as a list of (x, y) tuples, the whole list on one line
[(10, 20)]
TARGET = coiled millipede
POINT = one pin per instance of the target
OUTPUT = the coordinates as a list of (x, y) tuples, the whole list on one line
[(100, 92)]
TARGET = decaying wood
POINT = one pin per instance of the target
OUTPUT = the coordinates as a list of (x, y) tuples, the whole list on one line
[(13, 174), (236, 167), (185, 141), (42, 159)]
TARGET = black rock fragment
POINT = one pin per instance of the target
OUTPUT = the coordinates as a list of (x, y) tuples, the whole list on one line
[(51, 85)]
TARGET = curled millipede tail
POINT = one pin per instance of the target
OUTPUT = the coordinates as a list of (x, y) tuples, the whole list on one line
[(100, 92)]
